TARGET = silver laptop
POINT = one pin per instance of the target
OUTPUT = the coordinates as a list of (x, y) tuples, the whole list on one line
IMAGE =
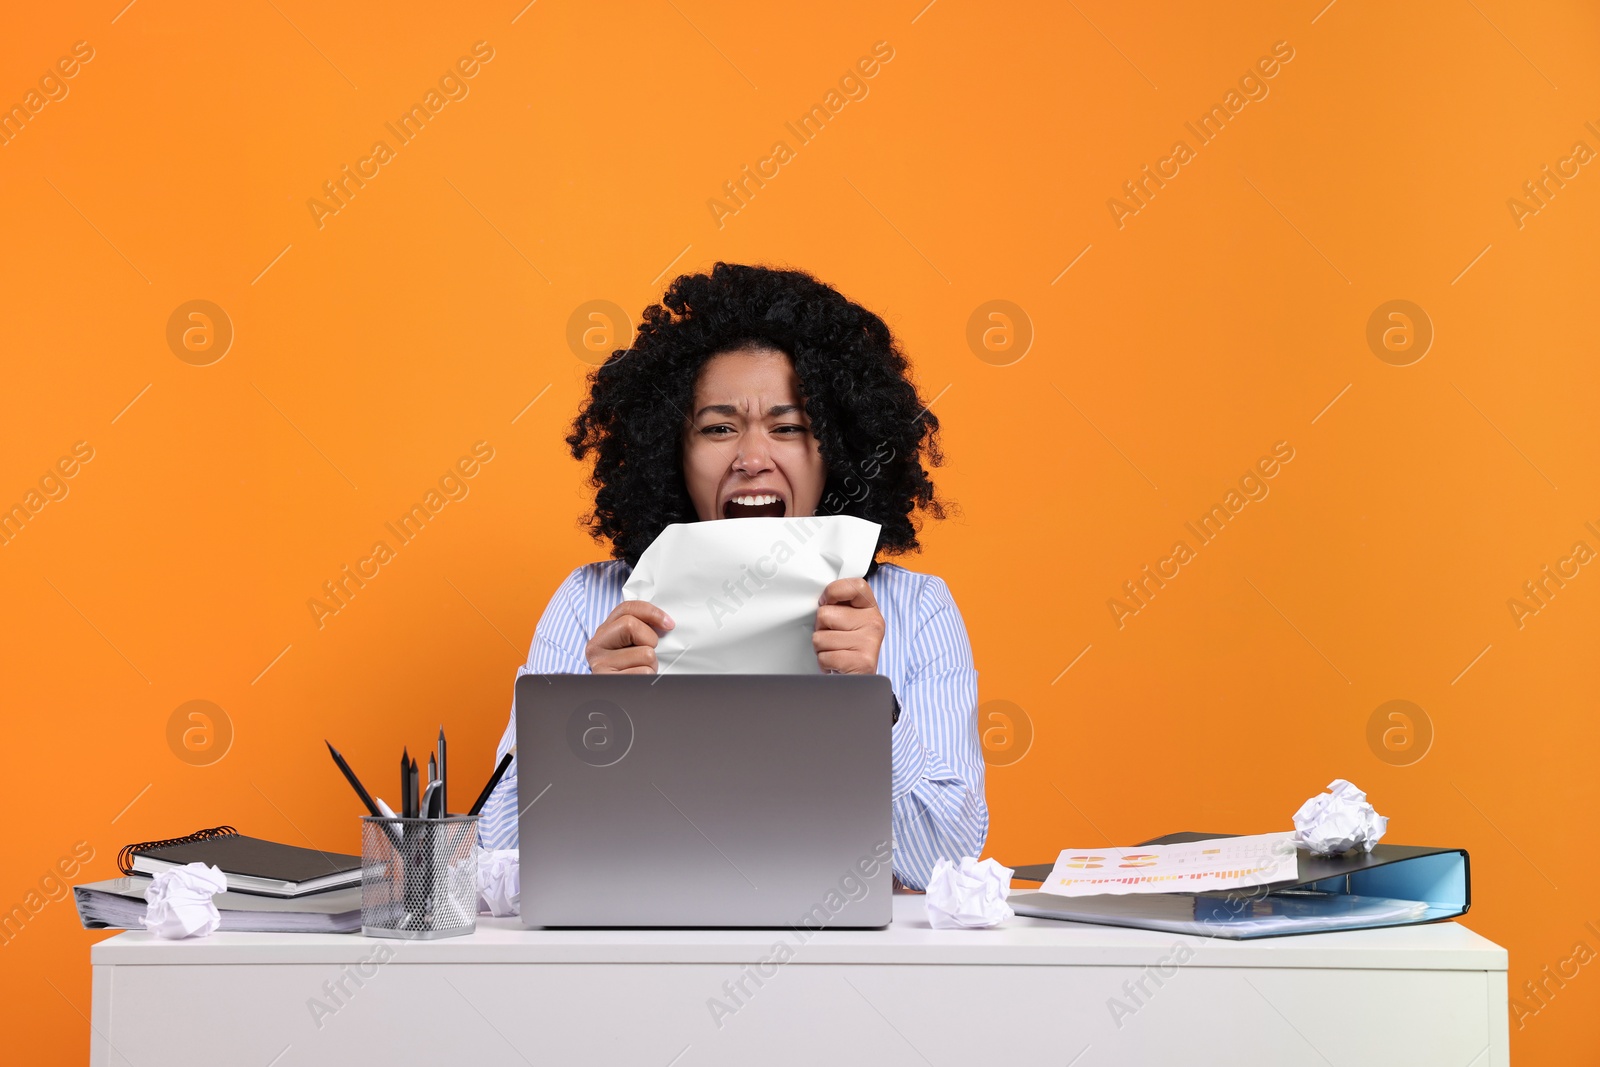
[(704, 800)]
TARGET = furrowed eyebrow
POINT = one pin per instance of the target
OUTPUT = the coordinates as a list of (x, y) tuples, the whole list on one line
[(730, 409)]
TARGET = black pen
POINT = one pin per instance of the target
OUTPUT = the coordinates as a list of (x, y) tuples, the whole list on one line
[(494, 780), (444, 805), (350, 776)]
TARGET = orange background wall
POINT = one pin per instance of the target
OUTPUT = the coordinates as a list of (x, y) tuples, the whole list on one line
[(1224, 316)]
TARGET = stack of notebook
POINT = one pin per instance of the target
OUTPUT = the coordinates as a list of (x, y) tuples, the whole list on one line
[(118, 903), (272, 888)]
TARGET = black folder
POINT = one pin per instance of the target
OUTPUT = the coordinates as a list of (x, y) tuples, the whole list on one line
[(1393, 885)]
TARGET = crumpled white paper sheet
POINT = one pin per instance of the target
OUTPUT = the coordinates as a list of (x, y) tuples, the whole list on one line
[(743, 592), (969, 896), (1339, 820), (499, 882), (178, 903)]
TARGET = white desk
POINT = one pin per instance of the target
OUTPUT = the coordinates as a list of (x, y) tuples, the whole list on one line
[(1030, 992)]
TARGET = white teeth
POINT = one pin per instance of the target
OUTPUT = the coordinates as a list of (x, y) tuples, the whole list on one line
[(754, 500)]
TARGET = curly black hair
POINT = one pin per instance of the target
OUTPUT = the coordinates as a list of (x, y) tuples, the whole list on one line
[(875, 432)]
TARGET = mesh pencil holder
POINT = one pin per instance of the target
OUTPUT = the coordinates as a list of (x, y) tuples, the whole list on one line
[(419, 877)]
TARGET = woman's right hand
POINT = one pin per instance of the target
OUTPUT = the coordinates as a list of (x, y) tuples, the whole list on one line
[(626, 642)]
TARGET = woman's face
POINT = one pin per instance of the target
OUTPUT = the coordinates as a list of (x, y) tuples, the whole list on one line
[(748, 449)]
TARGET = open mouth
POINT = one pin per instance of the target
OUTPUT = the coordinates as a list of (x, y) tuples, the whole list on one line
[(754, 506)]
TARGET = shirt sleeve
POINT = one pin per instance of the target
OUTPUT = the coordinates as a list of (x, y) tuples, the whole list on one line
[(557, 648), (937, 779)]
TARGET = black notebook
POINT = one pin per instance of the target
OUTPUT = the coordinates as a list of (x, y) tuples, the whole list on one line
[(250, 864)]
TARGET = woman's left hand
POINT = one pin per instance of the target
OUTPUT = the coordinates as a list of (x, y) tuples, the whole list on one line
[(849, 628)]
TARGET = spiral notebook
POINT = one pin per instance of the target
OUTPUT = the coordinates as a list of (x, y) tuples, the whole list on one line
[(250, 864)]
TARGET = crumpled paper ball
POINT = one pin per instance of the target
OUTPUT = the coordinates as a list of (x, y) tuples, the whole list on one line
[(1339, 820), (969, 896), (178, 903), (499, 882)]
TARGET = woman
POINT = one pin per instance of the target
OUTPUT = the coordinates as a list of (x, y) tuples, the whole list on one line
[(758, 392)]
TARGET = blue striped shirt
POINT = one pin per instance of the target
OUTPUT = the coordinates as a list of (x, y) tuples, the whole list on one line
[(936, 790)]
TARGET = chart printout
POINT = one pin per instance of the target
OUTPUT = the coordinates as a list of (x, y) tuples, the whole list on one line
[(1192, 867)]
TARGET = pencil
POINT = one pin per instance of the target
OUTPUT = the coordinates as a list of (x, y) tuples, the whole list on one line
[(444, 784), (350, 776), (494, 780), (414, 794), (405, 783)]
